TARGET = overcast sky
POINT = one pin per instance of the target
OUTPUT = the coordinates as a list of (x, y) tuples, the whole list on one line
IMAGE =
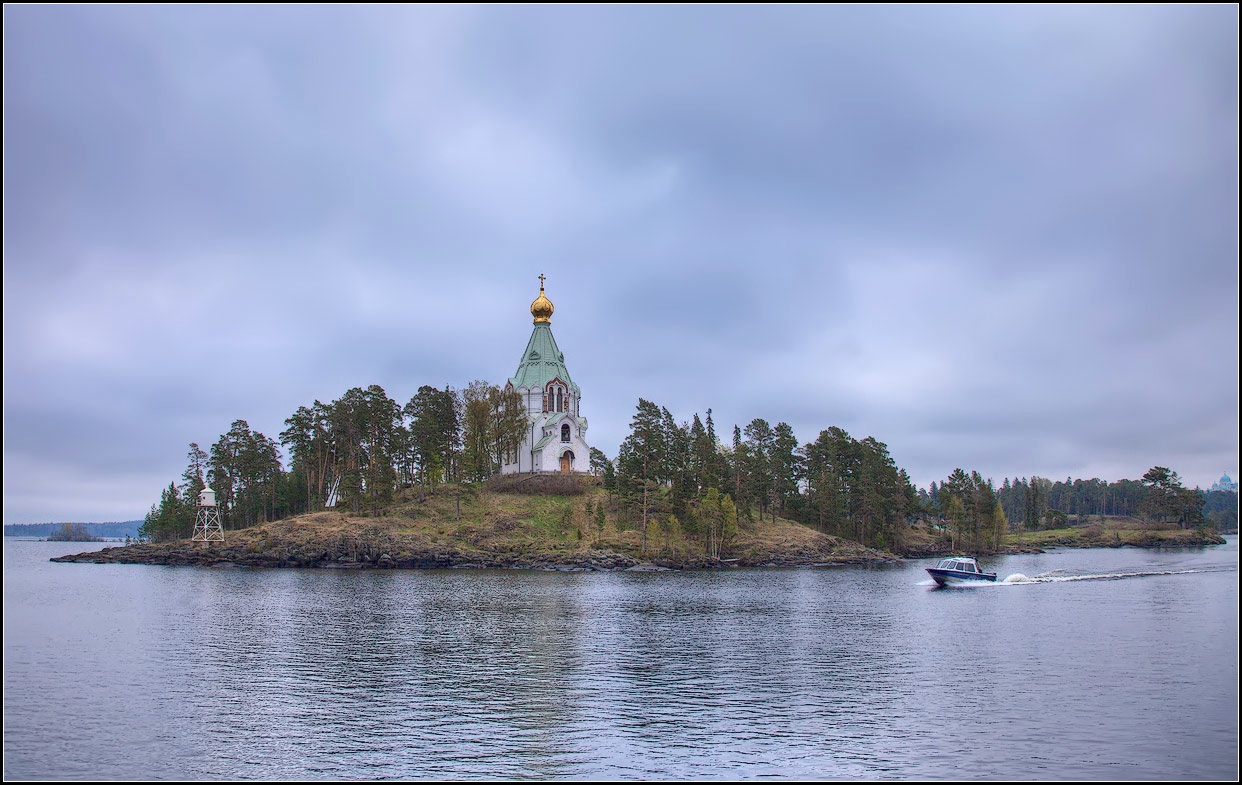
[(1003, 239)]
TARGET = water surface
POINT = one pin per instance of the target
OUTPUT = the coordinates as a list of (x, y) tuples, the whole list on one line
[(1096, 664)]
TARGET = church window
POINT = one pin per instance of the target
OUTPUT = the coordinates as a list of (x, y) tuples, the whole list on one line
[(565, 433)]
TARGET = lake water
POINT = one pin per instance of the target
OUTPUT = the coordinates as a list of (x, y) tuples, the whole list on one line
[(1102, 665)]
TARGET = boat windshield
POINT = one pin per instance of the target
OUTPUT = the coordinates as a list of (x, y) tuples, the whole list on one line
[(958, 565)]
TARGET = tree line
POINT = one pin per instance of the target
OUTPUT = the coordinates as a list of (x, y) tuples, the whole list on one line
[(851, 488), (352, 453), (355, 452), (684, 476), (1039, 503)]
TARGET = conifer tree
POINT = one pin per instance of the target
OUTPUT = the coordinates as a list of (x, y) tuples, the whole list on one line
[(169, 519), (435, 433), (642, 458), (194, 474), (599, 462), (786, 467)]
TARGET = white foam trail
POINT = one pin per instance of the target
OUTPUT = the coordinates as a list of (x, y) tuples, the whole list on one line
[(1064, 576)]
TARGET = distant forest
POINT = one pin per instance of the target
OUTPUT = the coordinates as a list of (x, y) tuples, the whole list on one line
[(357, 451), (116, 530)]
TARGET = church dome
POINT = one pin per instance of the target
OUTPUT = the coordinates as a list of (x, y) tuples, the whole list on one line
[(542, 307)]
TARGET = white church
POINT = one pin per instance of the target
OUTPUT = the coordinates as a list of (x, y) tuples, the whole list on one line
[(556, 439)]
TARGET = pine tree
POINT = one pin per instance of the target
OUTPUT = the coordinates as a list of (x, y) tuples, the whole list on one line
[(194, 474), (642, 459), (759, 445), (434, 432), (786, 467)]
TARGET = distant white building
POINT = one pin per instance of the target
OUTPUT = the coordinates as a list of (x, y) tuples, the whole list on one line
[(556, 439), (1224, 484)]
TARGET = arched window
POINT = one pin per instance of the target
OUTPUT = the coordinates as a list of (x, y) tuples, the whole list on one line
[(565, 432), (557, 396)]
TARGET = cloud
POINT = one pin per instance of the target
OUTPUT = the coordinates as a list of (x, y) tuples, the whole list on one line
[(1003, 239)]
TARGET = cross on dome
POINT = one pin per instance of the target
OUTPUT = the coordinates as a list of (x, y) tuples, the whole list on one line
[(542, 307)]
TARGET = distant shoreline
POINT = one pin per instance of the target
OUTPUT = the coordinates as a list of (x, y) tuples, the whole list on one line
[(46, 539), (115, 530)]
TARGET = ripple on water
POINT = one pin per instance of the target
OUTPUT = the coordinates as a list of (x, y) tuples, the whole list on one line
[(813, 674)]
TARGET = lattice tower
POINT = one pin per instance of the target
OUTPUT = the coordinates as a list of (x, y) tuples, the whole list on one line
[(207, 526)]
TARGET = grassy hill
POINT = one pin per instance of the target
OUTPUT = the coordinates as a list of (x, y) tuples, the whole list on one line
[(508, 523)]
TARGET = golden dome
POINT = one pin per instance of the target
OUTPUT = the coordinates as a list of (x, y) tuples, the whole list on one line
[(542, 307)]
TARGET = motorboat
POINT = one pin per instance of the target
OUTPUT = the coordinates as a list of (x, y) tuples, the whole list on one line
[(957, 570)]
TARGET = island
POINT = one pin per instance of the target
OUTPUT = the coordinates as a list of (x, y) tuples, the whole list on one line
[(464, 527), (504, 476), (503, 525), (73, 532)]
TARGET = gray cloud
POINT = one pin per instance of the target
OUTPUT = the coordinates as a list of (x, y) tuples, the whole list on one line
[(1002, 238)]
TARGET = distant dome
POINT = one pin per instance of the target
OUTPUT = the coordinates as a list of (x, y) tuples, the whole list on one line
[(542, 307), (1225, 484)]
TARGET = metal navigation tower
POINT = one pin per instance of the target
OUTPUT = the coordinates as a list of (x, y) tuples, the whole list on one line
[(207, 526)]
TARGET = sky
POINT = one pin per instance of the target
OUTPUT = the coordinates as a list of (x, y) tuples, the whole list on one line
[(999, 238)]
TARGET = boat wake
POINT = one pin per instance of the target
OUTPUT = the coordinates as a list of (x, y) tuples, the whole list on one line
[(1064, 576)]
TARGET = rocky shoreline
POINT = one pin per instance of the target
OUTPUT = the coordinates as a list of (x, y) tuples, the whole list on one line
[(498, 540), (185, 553), (350, 557)]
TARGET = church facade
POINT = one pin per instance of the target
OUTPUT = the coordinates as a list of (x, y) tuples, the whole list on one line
[(556, 438)]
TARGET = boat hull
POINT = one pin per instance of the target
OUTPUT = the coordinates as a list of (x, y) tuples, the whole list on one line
[(944, 577)]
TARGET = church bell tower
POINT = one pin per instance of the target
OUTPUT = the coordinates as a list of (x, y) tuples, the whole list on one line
[(556, 438)]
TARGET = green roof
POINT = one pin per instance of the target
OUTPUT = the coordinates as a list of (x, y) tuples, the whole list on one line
[(542, 361)]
